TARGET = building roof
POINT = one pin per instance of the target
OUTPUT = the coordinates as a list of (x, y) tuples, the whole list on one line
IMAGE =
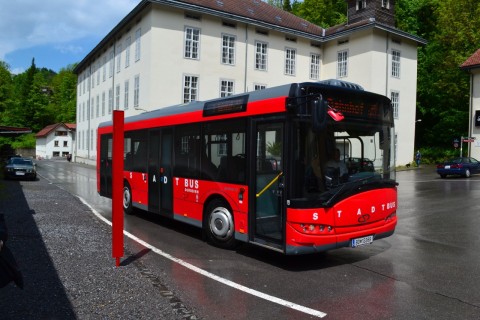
[(345, 29), (472, 62), (6, 130), (46, 131), (253, 12)]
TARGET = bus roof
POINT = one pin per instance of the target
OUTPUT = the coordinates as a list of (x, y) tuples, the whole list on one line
[(287, 90)]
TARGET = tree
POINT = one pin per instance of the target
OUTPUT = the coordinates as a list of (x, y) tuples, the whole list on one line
[(453, 32), (325, 13), (64, 87), (6, 88)]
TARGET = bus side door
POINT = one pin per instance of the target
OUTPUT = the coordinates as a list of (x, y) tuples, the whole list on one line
[(160, 172), (268, 210)]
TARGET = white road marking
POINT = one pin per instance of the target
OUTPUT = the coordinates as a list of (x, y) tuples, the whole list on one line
[(212, 276)]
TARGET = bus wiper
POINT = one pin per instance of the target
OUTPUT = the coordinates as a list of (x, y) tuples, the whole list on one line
[(352, 185)]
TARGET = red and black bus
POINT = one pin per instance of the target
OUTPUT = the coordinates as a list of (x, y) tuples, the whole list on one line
[(298, 168)]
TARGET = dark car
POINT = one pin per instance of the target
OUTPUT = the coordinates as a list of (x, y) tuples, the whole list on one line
[(461, 166), (356, 165), (20, 168)]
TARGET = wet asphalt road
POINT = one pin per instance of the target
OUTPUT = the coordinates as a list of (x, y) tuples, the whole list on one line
[(429, 269)]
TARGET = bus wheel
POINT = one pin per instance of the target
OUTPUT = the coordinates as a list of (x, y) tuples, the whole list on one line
[(219, 225), (127, 199)]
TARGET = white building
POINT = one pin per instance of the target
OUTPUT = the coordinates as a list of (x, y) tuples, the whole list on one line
[(472, 65), (55, 140), (167, 52)]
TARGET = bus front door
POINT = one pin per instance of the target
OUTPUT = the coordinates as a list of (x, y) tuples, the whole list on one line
[(269, 218), (160, 172)]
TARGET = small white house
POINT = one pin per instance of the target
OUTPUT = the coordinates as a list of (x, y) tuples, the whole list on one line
[(55, 140)]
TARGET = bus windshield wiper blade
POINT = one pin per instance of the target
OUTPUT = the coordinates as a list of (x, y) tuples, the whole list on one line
[(349, 186)]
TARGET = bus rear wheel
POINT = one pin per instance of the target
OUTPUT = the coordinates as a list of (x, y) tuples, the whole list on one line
[(127, 199), (219, 227)]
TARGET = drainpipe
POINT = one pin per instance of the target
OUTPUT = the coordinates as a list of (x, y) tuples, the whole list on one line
[(246, 59), (470, 114)]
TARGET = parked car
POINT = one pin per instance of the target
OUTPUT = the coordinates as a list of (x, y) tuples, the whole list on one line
[(462, 166), (20, 168), (356, 165)]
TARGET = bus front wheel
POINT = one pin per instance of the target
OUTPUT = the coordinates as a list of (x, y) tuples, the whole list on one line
[(219, 226), (127, 199)]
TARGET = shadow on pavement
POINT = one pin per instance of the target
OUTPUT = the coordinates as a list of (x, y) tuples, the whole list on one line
[(43, 296)]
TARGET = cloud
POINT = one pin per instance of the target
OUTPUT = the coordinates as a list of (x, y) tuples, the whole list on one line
[(58, 23)]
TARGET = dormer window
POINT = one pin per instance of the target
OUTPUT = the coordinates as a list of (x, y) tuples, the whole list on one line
[(361, 4), (385, 4)]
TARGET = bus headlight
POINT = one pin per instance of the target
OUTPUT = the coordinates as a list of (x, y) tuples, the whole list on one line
[(313, 229)]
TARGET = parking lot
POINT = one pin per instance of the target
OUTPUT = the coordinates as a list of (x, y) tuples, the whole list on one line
[(429, 269)]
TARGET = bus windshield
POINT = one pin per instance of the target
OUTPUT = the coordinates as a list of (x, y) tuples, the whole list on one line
[(347, 157)]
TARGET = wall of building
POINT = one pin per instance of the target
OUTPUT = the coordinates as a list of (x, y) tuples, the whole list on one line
[(162, 66), (475, 101), (370, 65)]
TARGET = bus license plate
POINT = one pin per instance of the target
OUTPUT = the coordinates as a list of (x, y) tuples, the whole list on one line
[(362, 241)]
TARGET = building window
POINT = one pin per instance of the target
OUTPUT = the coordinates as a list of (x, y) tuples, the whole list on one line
[(395, 98), (91, 139), (98, 73), (136, 92), (361, 4), (127, 51), (138, 36), (190, 88), (222, 147), (119, 56), (97, 106), (104, 68), (126, 95), (228, 49), (395, 63), (60, 133), (111, 64), (92, 110), (117, 97), (192, 42), (260, 56), (226, 88), (314, 66), (103, 103), (290, 58), (259, 86), (55, 143), (342, 64), (110, 100), (65, 144), (385, 4)]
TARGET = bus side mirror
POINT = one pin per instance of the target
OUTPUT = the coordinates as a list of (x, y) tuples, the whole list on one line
[(319, 114)]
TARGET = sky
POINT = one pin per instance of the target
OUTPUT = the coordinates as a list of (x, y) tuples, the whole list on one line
[(56, 33)]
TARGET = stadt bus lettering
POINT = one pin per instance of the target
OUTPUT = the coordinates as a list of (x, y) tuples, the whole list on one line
[(299, 168)]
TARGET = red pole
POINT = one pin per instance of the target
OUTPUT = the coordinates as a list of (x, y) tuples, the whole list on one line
[(117, 186)]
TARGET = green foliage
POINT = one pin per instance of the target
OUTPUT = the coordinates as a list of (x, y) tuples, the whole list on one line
[(452, 29), (274, 148), (34, 99), (26, 141), (325, 13), (434, 155)]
